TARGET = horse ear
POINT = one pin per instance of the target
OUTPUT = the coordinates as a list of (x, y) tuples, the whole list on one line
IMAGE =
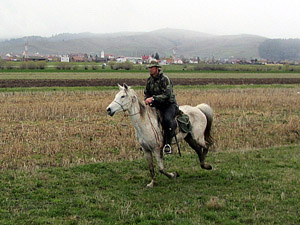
[(120, 87), (125, 86)]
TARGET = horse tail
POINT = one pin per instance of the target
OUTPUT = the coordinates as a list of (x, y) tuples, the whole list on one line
[(209, 113)]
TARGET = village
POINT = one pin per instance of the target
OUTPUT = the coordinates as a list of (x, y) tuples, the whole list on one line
[(144, 59)]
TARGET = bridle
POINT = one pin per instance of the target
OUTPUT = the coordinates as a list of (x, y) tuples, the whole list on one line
[(124, 110)]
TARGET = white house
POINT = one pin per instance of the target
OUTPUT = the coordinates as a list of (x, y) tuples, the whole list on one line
[(121, 59), (163, 62), (178, 61), (65, 58), (135, 60), (193, 61)]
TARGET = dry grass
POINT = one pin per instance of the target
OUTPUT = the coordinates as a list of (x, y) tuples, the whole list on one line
[(69, 128), (215, 203), (254, 118)]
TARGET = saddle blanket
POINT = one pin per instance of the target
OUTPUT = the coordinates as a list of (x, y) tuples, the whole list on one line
[(183, 122)]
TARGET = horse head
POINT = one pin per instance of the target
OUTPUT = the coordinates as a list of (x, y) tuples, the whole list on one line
[(122, 102)]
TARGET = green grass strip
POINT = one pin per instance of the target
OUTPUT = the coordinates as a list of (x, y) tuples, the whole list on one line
[(103, 88), (246, 187)]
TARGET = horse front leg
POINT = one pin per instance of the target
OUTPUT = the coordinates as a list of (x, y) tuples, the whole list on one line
[(160, 161), (149, 157)]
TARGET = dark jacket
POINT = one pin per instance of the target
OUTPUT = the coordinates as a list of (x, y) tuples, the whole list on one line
[(161, 89)]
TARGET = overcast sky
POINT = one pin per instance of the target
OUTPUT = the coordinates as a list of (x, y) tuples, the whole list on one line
[(269, 18)]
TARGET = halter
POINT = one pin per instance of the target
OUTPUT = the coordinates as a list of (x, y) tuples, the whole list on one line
[(121, 106), (124, 110)]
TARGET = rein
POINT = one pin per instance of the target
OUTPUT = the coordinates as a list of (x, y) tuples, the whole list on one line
[(154, 131), (156, 135)]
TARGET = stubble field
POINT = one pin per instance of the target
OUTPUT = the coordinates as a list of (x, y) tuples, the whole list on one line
[(63, 160), (42, 129)]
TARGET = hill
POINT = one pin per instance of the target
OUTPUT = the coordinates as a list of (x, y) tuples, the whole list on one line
[(187, 43), (280, 49)]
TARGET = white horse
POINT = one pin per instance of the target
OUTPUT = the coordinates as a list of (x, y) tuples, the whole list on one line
[(149, 133)]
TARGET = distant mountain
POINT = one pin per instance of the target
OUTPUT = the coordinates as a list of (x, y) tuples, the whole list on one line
[(164, 41)]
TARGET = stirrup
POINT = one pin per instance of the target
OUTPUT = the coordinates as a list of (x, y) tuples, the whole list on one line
[(167, 149)]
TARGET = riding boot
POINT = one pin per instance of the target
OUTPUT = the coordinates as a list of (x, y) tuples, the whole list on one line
[(168, 141)]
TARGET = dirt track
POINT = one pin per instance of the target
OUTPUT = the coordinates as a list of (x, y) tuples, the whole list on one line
[(140, 82)]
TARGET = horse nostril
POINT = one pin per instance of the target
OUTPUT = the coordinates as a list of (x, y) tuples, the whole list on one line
[(110, 112)]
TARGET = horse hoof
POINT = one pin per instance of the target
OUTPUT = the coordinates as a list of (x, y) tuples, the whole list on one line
[(207, 167), (150, 185), (176, 175)]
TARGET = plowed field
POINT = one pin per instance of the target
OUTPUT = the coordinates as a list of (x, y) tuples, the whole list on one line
[(140, 82)]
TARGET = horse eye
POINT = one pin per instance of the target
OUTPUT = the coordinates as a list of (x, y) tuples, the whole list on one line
[(123, 96)]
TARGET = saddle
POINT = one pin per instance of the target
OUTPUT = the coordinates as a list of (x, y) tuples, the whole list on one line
[(183, 122)]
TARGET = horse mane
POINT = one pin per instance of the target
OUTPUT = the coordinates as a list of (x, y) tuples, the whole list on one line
[(142, 107), (140, 102)]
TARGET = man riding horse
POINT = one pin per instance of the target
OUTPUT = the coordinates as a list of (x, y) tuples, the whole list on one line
[(159, 94)]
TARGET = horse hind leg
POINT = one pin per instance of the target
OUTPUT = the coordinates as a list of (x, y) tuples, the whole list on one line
[(201, 151), (202, 159)]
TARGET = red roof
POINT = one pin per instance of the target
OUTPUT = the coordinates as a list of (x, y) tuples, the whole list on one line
[(145, 57), (78, 58)]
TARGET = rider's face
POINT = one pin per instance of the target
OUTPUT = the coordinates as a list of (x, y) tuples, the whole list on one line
[(153, 71)]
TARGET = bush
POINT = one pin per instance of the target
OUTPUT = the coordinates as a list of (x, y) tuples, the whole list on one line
[(2, 63), (213, 67), (58, 67), (112, 65), (63, 66), (95, 67), (31, 65), (140, 67), (23, 65), (41, 65), (9, 65), (75, 67), (127, 65), (67, 66), (124, 65)]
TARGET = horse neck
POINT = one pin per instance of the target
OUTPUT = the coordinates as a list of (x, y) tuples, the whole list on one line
[(142, 116), (134, 110)]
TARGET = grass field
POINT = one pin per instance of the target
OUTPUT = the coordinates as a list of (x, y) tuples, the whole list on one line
[(65, 161), (139, 75), (125, 67), (296, 87), (245, 187)]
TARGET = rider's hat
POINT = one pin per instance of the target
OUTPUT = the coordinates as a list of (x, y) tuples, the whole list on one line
[(153, 65)]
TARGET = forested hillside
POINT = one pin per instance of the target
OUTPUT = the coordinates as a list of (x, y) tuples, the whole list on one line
[(280, 49)]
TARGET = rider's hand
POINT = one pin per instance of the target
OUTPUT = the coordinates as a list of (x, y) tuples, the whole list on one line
[(148, 101)]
